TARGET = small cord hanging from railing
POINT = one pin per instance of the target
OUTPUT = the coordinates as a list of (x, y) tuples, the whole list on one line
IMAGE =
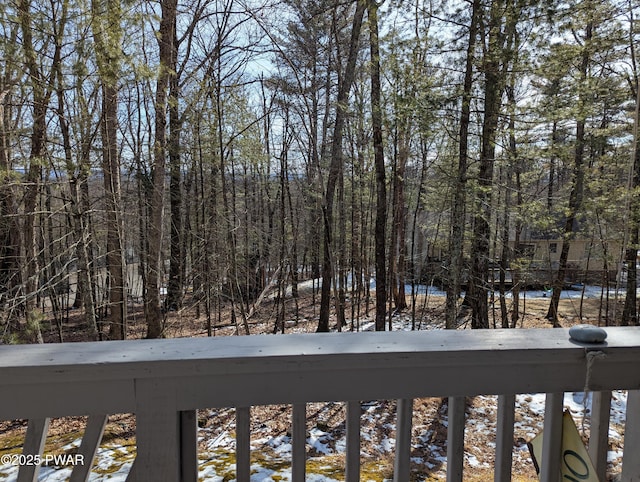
[(591, 356)]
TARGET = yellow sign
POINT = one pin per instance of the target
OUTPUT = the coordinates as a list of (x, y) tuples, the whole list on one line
[(575, 464)]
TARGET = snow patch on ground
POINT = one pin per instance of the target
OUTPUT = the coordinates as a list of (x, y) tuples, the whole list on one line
[(324, 443)]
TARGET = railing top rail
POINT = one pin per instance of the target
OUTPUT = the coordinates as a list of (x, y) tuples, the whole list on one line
[(294, 368), (301, 345)]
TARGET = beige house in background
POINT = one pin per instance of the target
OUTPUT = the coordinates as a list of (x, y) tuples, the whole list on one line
[(538, 259), (589, 260)]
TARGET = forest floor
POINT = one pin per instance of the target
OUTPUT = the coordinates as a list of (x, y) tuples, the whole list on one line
[(270, 425)]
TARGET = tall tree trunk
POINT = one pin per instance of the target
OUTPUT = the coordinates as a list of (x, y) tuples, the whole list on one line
[(336, 166), (339, 275), (378, 150), (177, 259), (178, 234), (456, 236), (41, 97), (115, 255), (577, 188), (515, 170), (552, 166), (504, 255), (494, 85), (398, 249), (107, 33), (167, 55)]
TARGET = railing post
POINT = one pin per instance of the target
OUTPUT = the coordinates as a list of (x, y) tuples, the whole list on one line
[(89, 446), (299, 446), (243, 444), (630, 459), (455, 439), (552, 438), (352, 472), (188, 446), (33, 445), (403, 440), (157, 433), (599, 433), (504, 438)]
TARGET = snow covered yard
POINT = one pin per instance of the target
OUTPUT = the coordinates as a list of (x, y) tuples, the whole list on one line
[(271, 441)]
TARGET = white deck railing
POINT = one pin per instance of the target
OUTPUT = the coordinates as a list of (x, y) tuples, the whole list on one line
[(165, 381)]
